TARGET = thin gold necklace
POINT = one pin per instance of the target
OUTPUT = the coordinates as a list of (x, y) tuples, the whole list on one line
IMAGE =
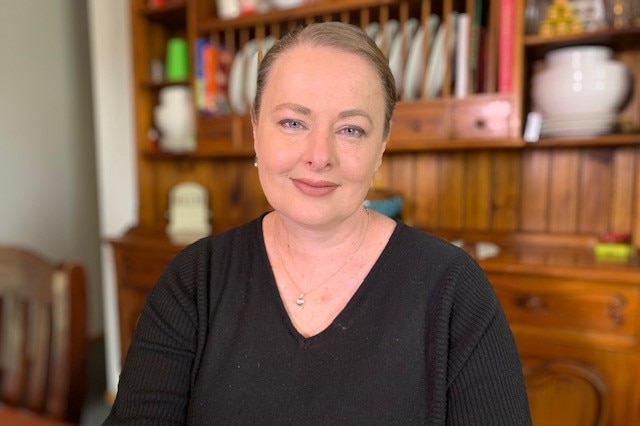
[(300, 301)]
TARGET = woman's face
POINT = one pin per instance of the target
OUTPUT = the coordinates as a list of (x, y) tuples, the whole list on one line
[(319, 137)]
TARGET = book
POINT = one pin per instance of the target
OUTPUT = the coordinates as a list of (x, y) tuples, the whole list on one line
[(474, 47), (201, 43), (212, 66), (462, 62), (506, 41)]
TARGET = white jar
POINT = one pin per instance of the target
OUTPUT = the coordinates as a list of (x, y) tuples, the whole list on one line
[(175, 120), (228, 9), (581, 79)]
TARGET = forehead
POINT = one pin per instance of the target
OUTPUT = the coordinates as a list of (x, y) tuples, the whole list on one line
[(306, 68)]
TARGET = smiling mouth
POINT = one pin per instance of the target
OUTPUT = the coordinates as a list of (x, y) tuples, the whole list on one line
[(314, 188)]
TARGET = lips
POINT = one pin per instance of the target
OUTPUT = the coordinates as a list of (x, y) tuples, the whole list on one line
[(314, 188)]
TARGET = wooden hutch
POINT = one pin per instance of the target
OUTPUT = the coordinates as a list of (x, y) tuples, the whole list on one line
[(465, 173)]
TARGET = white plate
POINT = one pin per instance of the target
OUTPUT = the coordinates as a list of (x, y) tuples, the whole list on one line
[(577, 123), (559, 118), (437, 59), (251, 75), (372, 29), (386, 35), (415, 59), (399, 48), (237, 78), (591, 130)]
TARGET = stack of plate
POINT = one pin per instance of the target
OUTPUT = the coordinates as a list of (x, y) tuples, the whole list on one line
[(414, 64), (244, 72), (579, 124)]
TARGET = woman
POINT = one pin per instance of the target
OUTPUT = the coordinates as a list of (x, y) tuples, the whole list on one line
[(322, 312)]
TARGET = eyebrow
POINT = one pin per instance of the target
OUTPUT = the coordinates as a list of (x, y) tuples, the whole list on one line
[(355, 113), (306, 111), (294, 107)]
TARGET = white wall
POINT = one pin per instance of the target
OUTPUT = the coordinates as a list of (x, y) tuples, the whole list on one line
[(115, 149), (48, 197)]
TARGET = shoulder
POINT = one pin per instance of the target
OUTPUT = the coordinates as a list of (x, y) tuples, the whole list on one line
[(420, 247), (461, 283), (239, 237), (193, 266)]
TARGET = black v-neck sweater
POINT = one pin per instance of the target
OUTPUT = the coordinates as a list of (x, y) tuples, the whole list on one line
[(423, 341)]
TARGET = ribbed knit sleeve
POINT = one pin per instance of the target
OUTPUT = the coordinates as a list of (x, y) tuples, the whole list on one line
[(159, 370), (484, 380)]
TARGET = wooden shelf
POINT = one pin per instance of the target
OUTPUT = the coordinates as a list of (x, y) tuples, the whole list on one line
[(312, 9), (587, 141), (623, 39), (172, 15), (157, 86), (207, 153)]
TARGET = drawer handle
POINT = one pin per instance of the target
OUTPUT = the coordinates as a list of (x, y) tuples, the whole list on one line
[(480, 123), (531, 302), (617, 310)]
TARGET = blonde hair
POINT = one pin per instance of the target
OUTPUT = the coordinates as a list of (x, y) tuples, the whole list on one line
[(338, 35)]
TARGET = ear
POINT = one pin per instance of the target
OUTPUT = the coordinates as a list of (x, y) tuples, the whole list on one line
[(383, 147), (254, 130)]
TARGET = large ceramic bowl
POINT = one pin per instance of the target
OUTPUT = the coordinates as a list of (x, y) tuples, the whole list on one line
[(578, 56), (599, 87)]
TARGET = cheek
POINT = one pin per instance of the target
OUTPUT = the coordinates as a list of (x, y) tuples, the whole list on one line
[(359, 168), (276, 158)]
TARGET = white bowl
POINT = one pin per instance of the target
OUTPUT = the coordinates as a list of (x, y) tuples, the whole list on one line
[(577, 56), (600, 87), (286, 4)]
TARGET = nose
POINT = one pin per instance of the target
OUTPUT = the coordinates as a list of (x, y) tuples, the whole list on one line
[(320, 152)]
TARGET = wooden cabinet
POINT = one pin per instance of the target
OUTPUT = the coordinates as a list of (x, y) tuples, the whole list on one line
[(576, 321), (140, 257), (463, 169), (460, 163), (578, 339)]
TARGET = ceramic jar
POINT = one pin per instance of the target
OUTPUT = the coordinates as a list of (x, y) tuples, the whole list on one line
[(174, 118), (583, 79), (581, 91)]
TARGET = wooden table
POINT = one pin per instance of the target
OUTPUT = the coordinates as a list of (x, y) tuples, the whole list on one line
[(19, 417)]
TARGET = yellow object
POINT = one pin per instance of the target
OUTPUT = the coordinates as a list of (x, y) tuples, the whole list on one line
[(560, 19), (613, 251)]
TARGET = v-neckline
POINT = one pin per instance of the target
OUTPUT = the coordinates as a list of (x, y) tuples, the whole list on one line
[(355, 304)]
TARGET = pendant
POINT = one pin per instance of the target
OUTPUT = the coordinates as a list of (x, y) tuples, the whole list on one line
[(300, 300)]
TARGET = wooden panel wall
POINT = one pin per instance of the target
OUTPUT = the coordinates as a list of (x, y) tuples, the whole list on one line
[(235, 195), (557, 191)]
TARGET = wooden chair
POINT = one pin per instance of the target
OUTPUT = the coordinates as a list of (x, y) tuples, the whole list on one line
[(42, 334)]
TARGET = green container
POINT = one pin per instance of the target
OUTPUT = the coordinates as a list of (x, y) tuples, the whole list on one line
[(177, 60)]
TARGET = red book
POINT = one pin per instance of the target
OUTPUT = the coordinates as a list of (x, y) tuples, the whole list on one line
[(506, 41), (209, 71)]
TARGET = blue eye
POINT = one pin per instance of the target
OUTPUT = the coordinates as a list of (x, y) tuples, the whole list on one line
[(353, 131), (290, 124)]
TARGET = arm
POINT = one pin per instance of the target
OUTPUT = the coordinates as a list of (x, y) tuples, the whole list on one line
[(485, 382), (156, 377), (489, 387)]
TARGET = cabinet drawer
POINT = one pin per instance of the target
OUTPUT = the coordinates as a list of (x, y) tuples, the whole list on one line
[(420, 122), (141, 269), (567, 304), (479, 119)]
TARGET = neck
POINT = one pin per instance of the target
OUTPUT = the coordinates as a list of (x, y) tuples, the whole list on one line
[(302, 242), (312, 269)]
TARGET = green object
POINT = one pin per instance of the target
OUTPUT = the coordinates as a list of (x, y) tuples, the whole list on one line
[(613, 251), (177, 60)]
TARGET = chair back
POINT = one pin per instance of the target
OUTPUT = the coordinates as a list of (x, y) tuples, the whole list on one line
[(42, 334)]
